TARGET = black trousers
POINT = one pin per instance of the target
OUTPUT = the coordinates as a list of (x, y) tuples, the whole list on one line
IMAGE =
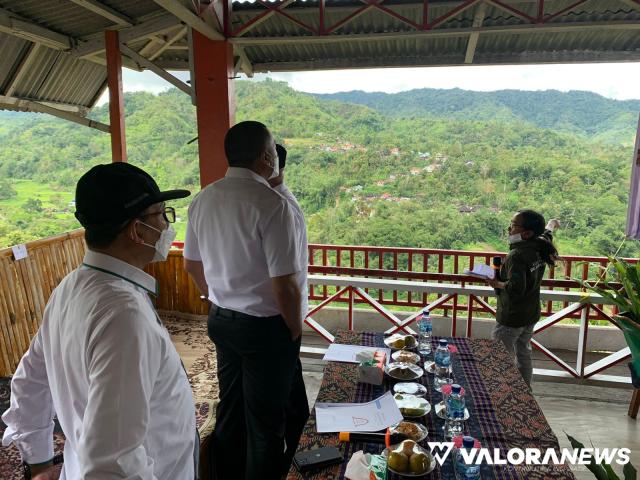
[(256, 370)]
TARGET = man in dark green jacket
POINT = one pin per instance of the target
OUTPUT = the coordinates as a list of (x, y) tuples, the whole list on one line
[(518, 286)]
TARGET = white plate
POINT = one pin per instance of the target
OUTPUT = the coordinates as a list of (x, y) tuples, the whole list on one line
[(441, 411), (412, 402), (410, 388), (410, 371), (389, 340), (410, 357)]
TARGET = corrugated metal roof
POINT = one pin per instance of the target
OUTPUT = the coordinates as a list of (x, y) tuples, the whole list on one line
[(595, 30)]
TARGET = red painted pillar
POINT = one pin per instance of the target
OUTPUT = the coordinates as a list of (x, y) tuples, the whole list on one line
[(116, 96), (215, 103)]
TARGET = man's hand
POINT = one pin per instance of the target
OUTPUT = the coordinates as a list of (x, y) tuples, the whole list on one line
[(553, 224), (492, 282), (46, 472), (289, 298)]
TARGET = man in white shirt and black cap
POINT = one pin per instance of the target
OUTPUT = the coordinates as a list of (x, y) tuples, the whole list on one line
[(102, 360), (241, 247)]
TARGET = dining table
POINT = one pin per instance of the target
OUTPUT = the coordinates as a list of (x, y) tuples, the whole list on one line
[(503, 413)]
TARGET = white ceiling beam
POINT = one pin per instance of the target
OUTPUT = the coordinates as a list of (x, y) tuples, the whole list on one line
[(105, 11), (145, 62), (31, 106), (146, 29), (472, 43), (23, 28), (437, 33), (187, 16), (21, 71), (244, 63), (169, 42)]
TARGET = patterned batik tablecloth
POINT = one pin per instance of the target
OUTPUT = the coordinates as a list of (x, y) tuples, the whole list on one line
[(504, 413)]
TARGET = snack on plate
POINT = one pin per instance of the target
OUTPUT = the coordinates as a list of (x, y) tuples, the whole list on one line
[(398, 341), (414, 431), (409, 458), (412, 406), (406, 357), (404, 371)]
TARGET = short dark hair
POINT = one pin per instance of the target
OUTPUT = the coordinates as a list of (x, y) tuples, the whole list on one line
[(532, 220), (244, 142), (102, 237)]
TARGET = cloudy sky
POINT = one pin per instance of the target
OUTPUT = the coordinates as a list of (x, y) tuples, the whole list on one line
[(613, 80)]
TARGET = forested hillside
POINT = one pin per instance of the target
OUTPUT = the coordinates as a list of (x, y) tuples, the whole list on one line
[(438, 169)]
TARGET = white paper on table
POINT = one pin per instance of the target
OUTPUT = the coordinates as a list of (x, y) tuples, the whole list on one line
[(372, 416), (480, 270), (347, 353), (19, 251)]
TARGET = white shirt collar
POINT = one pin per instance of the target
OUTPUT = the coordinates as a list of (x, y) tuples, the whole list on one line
[(241, 172), (120, 269)]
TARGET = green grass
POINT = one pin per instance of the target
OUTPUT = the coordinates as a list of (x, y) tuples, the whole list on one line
[(29, 189)]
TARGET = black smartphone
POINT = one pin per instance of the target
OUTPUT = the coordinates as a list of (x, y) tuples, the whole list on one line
[(317, 458)]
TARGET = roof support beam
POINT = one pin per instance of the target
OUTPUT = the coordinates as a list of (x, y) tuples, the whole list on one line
[(23, 28), (244, 63), (451, 32), (116, 97), (170, 41), (26, 62), (472, 43), (187, 16), (105, 11), (157, 25), (31, 106), (145, 62)]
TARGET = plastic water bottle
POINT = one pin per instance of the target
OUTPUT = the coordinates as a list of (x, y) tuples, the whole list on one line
[(464, 470), (442, 359), (425, 328), (455, 405)]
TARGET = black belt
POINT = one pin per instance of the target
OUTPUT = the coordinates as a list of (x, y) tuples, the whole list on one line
[(232, 314)]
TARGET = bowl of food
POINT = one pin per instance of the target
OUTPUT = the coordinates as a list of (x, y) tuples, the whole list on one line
[(405, 356), (412, 406), (398, 341), (408, 459), (411, 388), (403, 371), (414, 431)]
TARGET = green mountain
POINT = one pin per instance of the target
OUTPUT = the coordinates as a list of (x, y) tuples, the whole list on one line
[(377, 175), (582, 113)]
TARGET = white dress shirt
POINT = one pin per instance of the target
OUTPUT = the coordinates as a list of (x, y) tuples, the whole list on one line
[(106, 365), (301, 239), (244, 233)]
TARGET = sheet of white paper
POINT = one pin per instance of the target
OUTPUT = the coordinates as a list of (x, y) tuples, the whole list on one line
[(378, 414), (480, 270), (19, 252), (347, 353)]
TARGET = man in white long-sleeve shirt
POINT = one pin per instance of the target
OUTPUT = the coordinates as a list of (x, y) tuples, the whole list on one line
[(102, 360)]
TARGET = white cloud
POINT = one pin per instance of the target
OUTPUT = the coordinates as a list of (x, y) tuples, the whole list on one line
[(612, 80)]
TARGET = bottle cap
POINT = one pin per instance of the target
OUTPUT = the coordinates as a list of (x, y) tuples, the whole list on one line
[(343, 436), (443, 342), (455, 388), (468, 442), (425, 311)]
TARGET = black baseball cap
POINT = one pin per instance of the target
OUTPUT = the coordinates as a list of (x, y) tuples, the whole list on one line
[(111, 194), (282, 155)]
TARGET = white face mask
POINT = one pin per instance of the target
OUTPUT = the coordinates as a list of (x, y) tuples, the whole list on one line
[(515, 238), (163, 244)]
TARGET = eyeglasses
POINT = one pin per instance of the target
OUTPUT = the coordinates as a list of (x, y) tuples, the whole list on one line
[(168, 213)]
